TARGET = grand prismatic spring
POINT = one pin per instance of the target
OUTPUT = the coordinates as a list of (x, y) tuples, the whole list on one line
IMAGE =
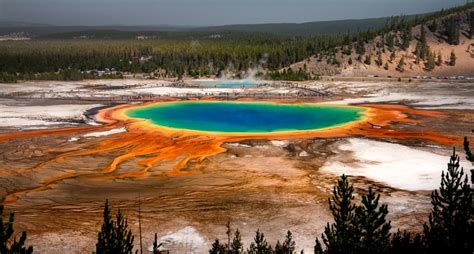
[(188, 158), (245, 117), (177, 133)]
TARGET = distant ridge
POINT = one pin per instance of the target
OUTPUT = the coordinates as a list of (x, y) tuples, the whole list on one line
[(307, 28), (21, 24), (281, 29)]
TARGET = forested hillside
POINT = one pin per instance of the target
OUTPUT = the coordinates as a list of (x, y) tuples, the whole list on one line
[(440, 44), (165, 58)]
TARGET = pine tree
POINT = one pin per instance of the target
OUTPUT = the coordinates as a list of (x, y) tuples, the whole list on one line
[(401, 65), (373, 231), (368, 60), (422, 48), (430, 62), (350, 61), (404, 243), (451, 31), (450, 228), (385, 66), (406, 37), (467, 149), (114, 237), (105, 237), (392, 56), (360, 46), (379, 59), (439, 61), (288, 246), (452, 58), (123, 236), (339, 236), (8, 243), (217, 248), (318, 249), (278, 247), (469, 157), (236, 247), (259, 245), (433, 26), (390, 41)]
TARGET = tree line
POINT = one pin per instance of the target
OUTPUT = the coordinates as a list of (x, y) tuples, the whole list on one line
[(163, 57)]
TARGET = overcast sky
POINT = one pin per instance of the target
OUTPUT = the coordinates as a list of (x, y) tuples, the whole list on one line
[(206, 12)]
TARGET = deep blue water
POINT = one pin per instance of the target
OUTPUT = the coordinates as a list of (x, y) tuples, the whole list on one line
[(245, 117)]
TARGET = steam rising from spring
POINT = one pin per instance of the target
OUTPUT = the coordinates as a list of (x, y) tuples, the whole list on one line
[(251, 74)]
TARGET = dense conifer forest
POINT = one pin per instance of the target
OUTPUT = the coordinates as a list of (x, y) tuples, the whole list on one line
[(179, 54)]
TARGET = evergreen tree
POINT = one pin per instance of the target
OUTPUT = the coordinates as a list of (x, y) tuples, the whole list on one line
[(430, 62), (318, 249), (450, 228), (349, 61), (368, 60), (360, 46), (406, 37), (236, 247), (401, 65), (373, 231), (452, 32), (6, 77), (392, 56), (385, 66), (278, 247), (422, 48), (452, 58), (217, 248), (288, 246), (259, 245), (379, 60), (404, 243), (467, 149), (8, 243), (390, 41), (469, 157), (433, 26), (105, 237), (114, 237), (339, 236), (439, 60)]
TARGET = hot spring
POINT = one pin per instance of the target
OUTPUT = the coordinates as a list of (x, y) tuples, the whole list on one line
[(245, 117), (225, 83)]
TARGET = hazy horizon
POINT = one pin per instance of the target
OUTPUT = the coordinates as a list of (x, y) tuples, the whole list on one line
[(206, 12)]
